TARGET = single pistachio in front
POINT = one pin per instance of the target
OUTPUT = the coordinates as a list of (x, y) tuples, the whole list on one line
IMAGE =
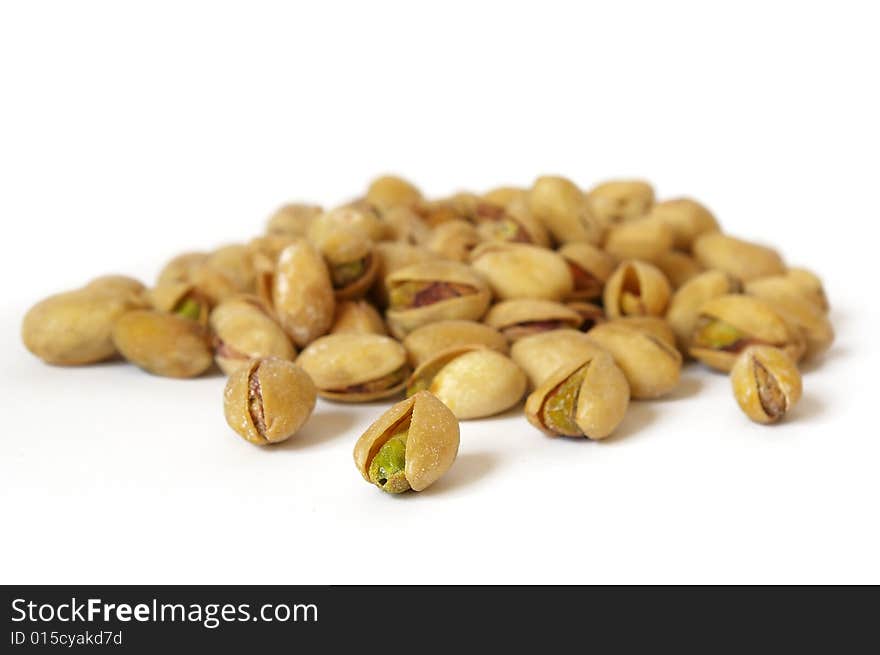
[(766, 383)]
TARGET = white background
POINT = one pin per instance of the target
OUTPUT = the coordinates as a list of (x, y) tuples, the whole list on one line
[(132, 131)]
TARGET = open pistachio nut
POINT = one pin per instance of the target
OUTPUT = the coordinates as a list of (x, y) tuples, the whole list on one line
[(454, 240), (539, 355), (181, 267), (684, 308), (355, 368), (727, 325), (182, 298), (590, 269), (433, 291), (423, 343), (243, 329), (517, 270), (636, 288), (472, 381), (520, 318), (619, 201), (586, 397), (163, 344), (348, 251), (268, 400), (563, 209), (512, 222), (410, 446), (766, 383), (591, 314)]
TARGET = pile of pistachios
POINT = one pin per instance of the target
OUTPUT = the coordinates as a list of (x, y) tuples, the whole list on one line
[(583, 301)]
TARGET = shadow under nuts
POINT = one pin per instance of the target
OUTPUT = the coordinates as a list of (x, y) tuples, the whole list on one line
[(268, 400), (766, 383), (410, 446)]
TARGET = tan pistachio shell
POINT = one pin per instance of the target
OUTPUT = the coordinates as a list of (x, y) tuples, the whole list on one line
[(618, 201), (343, 366), (516, 270), (591, 314), (404, 224), (213, 284), (539, 355), (740, 258), (293, 219), (653, 325), (361, 215), (651, 365), (810, 285), (636, 288), (590, 269), (392, 191), (687, 219), (642, 238), (796, 308), (357, 316), (268, 400), (602, 398), (523, 316), (180, 268), (267, 248), (432, 444), (470, 306), (244, 329), (505, 195), (766, 383), (474, 382), (423, 343), (512, 222), (562, 208), (122, 286), (684, 308), (166, 297), (75, 327), (454, 240), (302, 294), (236, 263), (163, 344), (391, 256), (458, 207), (756, 319), (678, 267)]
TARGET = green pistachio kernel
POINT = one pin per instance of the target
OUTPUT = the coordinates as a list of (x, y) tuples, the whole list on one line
[(189, 308), (561, 405), (717, 334), (387, 467), (345, 274)]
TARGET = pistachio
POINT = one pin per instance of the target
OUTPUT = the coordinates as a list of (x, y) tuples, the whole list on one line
[(636, 288), (511, 222), (423, 343), (472, 381), (391, 256), (651, 365), (268, 400), (244, 329), (163, 344), (684, 308), (392, 191), (454, 240), (766, 383), (404, 224), (687, 219), (236, 263), (426, 437), (539, 355), (809, 284), (359, 215), (301, 293), (348, 252), (619, 201), (742, 259), (75, 327), (357, 316), (678, 267), (506, 195), (586, 397), (643, 238), (266, 249), (183, 299), (293, 219), (434, 291), (355, 367), (726, 325), (180, 268), (590, 269), (121, 286), (563, 209), (657, 327), (520, 318), (590, 313), (516, 270), (458, 207)]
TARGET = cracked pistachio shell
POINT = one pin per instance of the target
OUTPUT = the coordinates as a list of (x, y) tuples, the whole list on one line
[(512, 222), (516, 270), (810, 285), (404, 224), (636, 288), (180, 268), (75, 327), (742, 259), (766, 383), (684, 308), (687, 219), (302, 294), (423, 343), (450, 290), (268, 400), (519, 318), (432, 440), (391, 191), (590, 269), (474, 382), (651, 366), (236, 263), (728, 324), (392, 256), (590, 313), (348, 252), (163, 344), (619, 201), (243, 329), (678, 267), (171, 297), (539, 355), (454, 240), (358, 317), (562, 207), (587, 397), (653, 325), (355, 367), (293, 219), (642, 238), (797, 309)]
